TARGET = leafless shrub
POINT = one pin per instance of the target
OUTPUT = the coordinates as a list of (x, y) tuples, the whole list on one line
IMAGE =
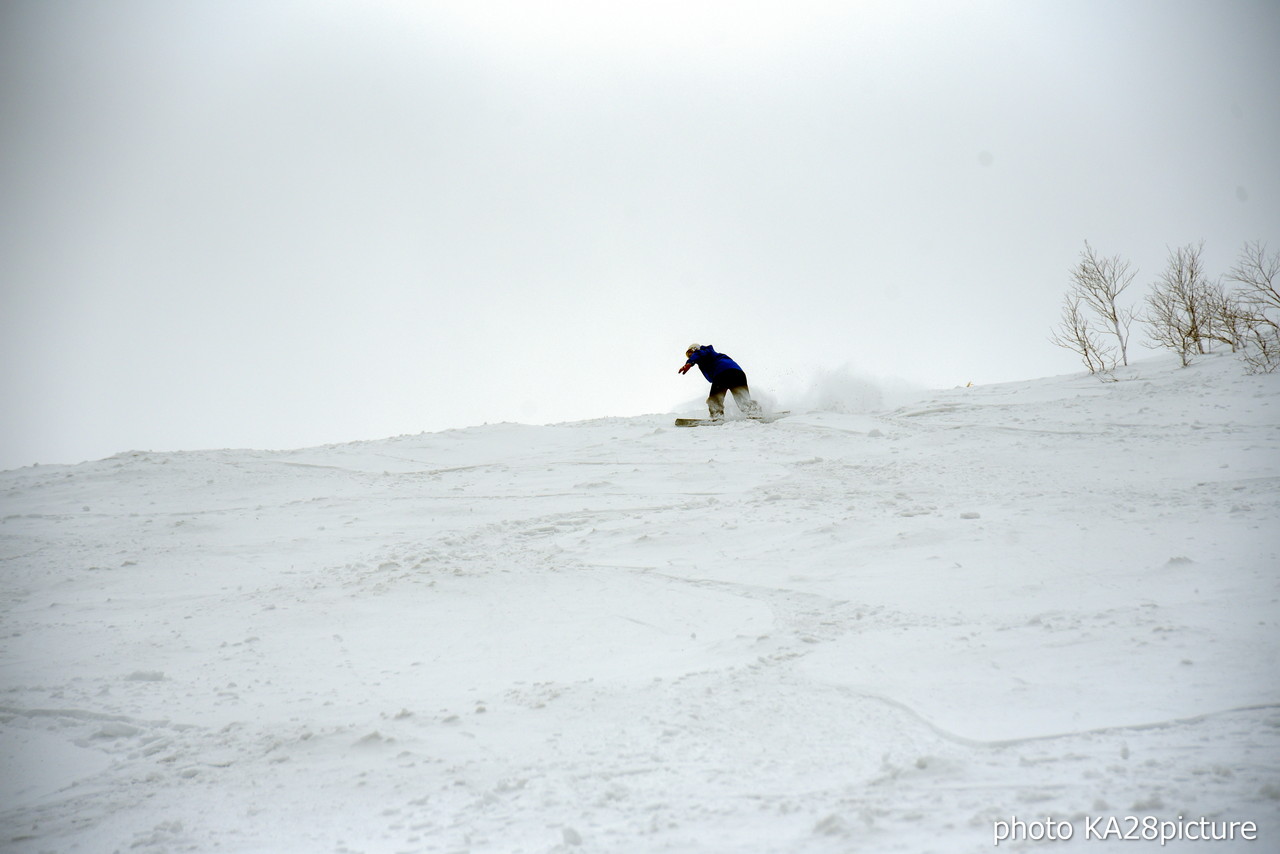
[(1227, 315), (1258, 273), (1093, 299), (1180, 310), (1261, 349), (1076, 334), (1100, 282), (1257, 306)]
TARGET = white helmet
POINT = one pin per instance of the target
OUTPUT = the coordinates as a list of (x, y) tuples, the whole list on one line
[(692, 347)]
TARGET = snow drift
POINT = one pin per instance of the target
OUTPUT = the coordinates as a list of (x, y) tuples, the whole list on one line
[(880, 631)]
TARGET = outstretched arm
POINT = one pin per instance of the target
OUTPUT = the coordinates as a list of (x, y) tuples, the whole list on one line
[(685, 367)]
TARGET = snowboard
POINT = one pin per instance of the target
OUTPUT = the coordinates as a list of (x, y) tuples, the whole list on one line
[(707, 422)]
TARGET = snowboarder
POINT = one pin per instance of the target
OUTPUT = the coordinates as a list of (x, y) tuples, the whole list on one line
[(725, 376)]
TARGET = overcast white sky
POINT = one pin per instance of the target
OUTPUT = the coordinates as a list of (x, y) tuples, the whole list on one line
[(277, 224)]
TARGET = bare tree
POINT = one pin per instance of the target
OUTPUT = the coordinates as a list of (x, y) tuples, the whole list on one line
[(1257, 304), (1258, 274), (1169, 327), (1099, 282), (1261, 349), (1179, 307), (1093, 302), (1228, 316), (1076, 334)]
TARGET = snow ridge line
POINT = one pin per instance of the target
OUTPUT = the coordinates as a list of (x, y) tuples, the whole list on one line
[(1013, 742), (82, 715)]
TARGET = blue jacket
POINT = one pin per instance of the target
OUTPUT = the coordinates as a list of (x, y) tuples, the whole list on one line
[(711, 363)]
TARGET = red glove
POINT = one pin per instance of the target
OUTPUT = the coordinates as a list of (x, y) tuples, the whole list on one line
[(685, 368)]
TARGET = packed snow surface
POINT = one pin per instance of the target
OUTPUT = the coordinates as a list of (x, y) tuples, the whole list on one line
[(879, 631)]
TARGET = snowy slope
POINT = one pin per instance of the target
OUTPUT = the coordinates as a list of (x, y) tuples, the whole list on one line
[(839, 632)]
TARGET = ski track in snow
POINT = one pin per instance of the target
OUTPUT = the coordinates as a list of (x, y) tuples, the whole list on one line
[(838, 632)]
